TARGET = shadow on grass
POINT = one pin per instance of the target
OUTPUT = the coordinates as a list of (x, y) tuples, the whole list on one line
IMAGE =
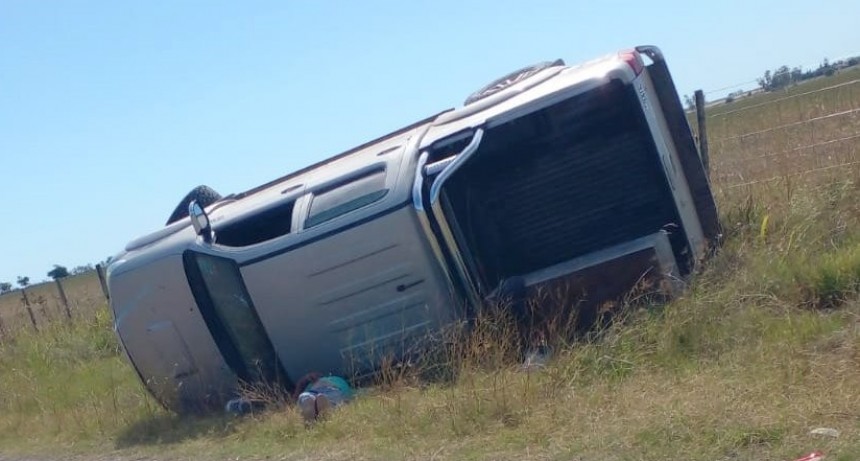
[(171, 429)]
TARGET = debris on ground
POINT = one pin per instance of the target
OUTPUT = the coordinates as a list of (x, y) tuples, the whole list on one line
[(826, 431), (814, 456), (536, 358)]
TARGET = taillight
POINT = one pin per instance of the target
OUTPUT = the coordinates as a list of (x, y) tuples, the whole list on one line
[(633, 59)]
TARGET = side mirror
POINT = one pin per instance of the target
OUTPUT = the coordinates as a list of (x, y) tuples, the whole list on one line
[(200, 221)]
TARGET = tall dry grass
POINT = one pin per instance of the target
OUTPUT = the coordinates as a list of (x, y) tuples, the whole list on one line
[(67, 384)]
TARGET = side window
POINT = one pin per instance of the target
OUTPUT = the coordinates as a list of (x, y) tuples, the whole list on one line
[(343, 198), (264, 225)]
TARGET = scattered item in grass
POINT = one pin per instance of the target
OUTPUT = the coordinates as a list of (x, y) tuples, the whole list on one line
[(814, 456), (826, 431), (536, 358), (242, 406)]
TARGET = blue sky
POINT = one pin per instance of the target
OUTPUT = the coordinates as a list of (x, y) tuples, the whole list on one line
[(111, 111)]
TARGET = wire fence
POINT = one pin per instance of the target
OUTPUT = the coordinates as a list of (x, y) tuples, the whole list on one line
[(64, 300), (786, 98), (731, 87), (802, 134)]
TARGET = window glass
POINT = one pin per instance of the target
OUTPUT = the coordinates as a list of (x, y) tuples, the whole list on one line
[(259, 227), (232, 307), (333, 202)]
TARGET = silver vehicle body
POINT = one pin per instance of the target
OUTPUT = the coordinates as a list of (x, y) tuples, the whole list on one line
[(359, 257)]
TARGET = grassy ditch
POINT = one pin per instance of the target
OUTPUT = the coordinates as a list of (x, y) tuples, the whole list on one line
[(763, 347)]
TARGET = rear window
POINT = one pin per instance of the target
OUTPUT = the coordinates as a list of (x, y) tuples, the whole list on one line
[(345, 197)]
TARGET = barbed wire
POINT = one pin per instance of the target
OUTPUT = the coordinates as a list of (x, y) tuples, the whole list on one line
[(736, 85), (786, 175), (794, 149), (792, 155), (787, 125), (824, 143), (766, 103)]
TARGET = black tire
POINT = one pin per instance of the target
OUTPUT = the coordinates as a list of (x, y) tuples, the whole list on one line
[(204, 195), (516, 76)]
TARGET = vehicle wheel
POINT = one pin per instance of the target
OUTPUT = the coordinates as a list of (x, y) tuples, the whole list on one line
[(508, 80), (204, 195)]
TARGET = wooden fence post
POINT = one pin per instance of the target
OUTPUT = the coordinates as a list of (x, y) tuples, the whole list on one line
[(703, 131), (63, 298), (100, 270), (29, 309)]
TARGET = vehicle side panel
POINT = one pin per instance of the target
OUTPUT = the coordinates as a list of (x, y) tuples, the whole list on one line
[(341, 304)]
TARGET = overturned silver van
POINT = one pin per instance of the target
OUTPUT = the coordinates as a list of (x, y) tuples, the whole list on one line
[(546, 174)]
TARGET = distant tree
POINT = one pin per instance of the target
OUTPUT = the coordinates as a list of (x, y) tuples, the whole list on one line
[(781, 78), (826, 68), (765, 81), (23, 281), (796, 74), (83, 269), (58, 272), (784, 76), (5, 287), (689, 102)]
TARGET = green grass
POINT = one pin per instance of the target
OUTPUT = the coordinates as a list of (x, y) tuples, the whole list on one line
[(67, 384), (762, 347)]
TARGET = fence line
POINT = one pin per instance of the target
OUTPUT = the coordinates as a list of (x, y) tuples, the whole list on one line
[(722, 180), (788, 125), (769, 147), (766, 103), (736, 85), (63, 299), (794, 149), (822, 143), (38, 306), (26, 301), (796, 173)]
